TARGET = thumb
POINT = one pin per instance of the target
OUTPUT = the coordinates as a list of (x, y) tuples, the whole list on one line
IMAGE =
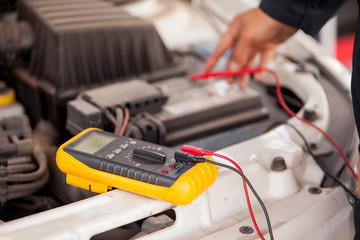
[(265, 58)]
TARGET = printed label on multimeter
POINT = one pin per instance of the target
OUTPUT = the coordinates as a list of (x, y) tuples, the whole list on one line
[(98, 160)]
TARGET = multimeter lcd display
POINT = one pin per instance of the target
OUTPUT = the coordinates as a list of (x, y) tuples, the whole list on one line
[(93, 142)]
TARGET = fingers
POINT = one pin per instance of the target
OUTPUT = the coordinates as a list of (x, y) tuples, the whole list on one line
[(226, 42), (243, 81), (232, 67), (241, 52), (242, 56), (249, 33), (265, 58)]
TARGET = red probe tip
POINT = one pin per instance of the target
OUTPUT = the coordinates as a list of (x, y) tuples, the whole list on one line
[(199, 76), (226, 73), (195, 150)]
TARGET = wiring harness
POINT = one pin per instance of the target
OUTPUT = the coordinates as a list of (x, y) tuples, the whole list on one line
[(120, 121), (23, 164)]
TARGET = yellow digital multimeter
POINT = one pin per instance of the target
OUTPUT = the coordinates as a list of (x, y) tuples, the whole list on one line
[(98, 161)]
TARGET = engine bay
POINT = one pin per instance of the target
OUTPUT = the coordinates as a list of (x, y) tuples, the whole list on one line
[(81, 64)]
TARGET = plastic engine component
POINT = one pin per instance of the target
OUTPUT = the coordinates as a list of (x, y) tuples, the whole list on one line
[(87, 42), (88, 109)]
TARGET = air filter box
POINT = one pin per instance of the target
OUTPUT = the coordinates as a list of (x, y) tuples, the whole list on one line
[(80, 45), (86, 42)]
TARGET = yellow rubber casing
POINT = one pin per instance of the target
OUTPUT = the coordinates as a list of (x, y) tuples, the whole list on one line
[(7, 97), (184, 190)]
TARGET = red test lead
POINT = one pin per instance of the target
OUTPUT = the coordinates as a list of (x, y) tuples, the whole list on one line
[(207, 75), (201, 152)]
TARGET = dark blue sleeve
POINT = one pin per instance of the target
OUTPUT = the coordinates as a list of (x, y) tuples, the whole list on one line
[(308, 15), (357, 219)]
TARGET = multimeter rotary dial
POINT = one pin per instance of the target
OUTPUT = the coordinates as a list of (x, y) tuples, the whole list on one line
[(148, 156)]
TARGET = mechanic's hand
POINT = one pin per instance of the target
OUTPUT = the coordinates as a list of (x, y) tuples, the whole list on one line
[(250, 33)]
